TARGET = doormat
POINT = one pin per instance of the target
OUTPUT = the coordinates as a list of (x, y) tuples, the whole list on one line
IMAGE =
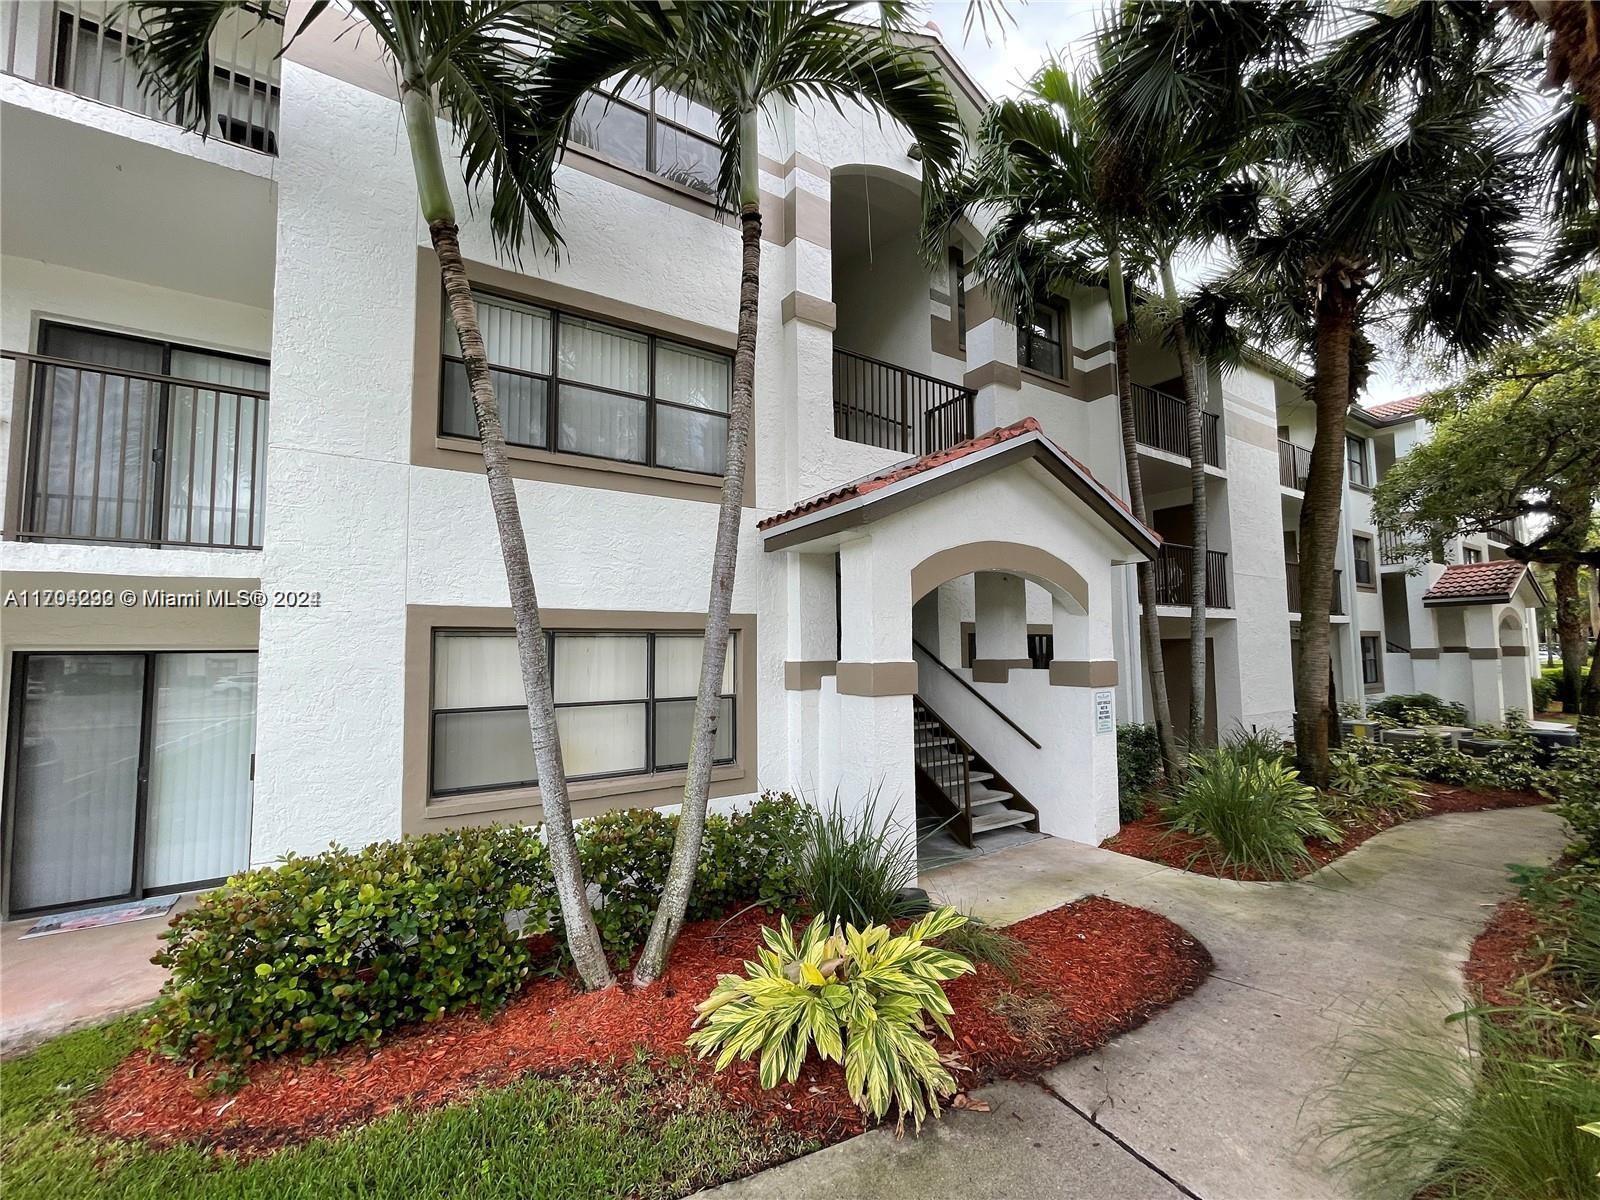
[(94, 918)]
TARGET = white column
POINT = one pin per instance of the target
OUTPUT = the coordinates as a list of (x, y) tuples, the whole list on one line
[(1001, 616)]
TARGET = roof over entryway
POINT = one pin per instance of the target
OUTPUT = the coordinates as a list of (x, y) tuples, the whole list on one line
[(916, 479), (1494, 582)]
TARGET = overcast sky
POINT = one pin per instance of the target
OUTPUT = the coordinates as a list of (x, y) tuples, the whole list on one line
[(1041, 27)]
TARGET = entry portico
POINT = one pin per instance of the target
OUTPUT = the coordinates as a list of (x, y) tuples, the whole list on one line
[(882, 572)]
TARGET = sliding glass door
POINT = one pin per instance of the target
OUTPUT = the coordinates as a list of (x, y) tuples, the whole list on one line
[(129, 774)]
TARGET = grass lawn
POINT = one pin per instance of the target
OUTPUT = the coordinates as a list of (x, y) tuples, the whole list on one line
[(637, 1132)]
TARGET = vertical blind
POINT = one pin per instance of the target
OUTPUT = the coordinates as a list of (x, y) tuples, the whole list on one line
[(617, 714), (609, 382)]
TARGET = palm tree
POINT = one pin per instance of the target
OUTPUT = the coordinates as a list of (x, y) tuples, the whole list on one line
[(1397, 200), (1042, 177), (735, 58), (467, 62)]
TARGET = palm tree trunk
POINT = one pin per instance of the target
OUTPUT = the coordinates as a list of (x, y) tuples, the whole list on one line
[(1319, 519), (1149, 619), (1569, 630), (583, 939), (679, 884), (1194, 410)]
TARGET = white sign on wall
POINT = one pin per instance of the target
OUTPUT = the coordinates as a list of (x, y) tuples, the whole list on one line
[(1104, 715)]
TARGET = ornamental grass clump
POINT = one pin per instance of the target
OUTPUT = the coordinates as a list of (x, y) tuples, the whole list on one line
[(855, 865), (1252, 809), (861, 997)]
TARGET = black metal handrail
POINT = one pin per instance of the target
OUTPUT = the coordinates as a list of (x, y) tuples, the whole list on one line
[(1172, 565), (943, 755), (1294, 465), (1162, 421), (879, 404), (130, 457), (982, 699), (1292, 578)]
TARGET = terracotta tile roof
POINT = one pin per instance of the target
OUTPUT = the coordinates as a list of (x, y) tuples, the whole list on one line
[(1496, 579), (1391, 411), (929, 462)]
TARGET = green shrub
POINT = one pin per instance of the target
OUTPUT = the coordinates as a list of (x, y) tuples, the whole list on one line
[(1364, 787), (1430, 758), (1420, 708), (1256, 745), (317, 952), (856, 866), (862, 997), (1138, 768), (1544, 692), (1558, 680), (1418, 1117), (1574, 780), (1252, 808)]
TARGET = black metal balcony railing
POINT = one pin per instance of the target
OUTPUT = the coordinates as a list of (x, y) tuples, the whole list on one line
[(879, 404), (1503, 533), (1292, 571), (1391, 550), (81, 46), (1172, 565), (1162, 421), (116, 456), (1294, 465)]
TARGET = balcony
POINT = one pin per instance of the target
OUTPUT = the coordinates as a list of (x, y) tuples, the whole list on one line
[(113, 456), (1294, 465), (1292, 573), (1172, 567), (879, 404), (1503, 534), (1161, 422), (81, 47)]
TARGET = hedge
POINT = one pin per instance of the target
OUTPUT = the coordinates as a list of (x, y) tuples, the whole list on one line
[(1138, 768), (317, 952)]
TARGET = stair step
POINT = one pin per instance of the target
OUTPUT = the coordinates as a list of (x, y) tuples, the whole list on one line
[(1000, 818), (979, 776), (981, 796)]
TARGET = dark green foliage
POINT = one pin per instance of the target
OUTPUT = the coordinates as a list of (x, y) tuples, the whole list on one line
[(1575, 783), (1138, 768), (1252, 808), (1420, 708), (1544, 692), (1364, 787), (315, 953), (855, 866), (983, 943), (1556, 677), (1431, 759)]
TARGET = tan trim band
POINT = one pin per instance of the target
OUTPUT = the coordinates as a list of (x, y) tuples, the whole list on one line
[(1247, 429), (813, 310), (1454, 649), (997, 670), (877, 678), (420, 813), (1093, 383), (1095, 673), (1425, 652), (1049, 382), (1003, 374), (1514, 651), (1483, 654), (1014, 557), (807, 674)]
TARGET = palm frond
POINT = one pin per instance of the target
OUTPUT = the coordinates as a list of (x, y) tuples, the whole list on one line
[(173, 52)]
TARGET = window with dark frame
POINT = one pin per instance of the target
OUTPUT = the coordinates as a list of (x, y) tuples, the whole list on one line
[(1361, 556), (1371, 660), (958, 296), (654, 130), (1356, 452), (607, 391), (624, 706), (1471, 554), (1040, 344)]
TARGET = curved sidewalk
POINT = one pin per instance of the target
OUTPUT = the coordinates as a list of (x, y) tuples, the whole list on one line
[(1219, 1096)]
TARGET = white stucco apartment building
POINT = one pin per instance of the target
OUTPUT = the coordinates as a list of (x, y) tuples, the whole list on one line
[(254, 595)]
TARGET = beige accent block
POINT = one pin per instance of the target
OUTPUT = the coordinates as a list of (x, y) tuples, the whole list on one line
[(1003, 374), (807, 674), (813, 310), (877, 678), (997, 670), (1094, 673)]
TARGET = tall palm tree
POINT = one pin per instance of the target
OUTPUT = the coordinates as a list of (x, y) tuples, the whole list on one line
[(1398, 199), (465, 62), (1043, 179), (735, 58)]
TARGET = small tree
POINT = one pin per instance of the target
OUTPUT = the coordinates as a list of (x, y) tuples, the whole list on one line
[(1517, 440), (736, 58), (467, 62)]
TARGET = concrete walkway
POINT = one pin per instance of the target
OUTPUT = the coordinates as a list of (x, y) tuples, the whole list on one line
[(1220, 1096)]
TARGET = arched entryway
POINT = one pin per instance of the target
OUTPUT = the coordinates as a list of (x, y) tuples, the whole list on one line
[(1516, 684)]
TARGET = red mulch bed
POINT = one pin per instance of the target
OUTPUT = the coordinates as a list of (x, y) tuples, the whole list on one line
[(1102, 968), (1150, 838), (1503, 953)]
